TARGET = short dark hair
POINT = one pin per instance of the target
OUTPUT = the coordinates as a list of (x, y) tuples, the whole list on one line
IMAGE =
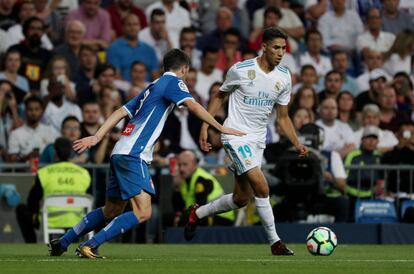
[(69, 118), (312, 31), (273, 10), (334, 72), (272, 33), (175, 59), (188, 30), (137, 63), (63, 148), (35, 99), (156, 12), (29, 21), (232, 31), (209, 49), (306, 67), (101, 68)]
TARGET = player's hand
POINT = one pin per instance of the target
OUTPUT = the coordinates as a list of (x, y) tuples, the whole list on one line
[(303, 150), (232, 131), (204, 144), (83, 144)]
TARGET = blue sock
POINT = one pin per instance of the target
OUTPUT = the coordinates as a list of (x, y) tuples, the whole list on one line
[(92, 220), (119, 225)]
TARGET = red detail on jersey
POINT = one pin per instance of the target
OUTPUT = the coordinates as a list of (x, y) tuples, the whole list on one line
[(128, 130), (70, 200)]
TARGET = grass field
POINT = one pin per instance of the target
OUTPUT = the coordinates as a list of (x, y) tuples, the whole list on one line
[(183, 259)]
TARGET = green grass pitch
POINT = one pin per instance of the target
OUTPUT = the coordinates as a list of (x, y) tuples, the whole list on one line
[(195, 259)]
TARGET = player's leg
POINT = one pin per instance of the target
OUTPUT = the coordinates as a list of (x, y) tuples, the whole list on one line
[(261, 191), (141, 205), (93, 220), (241, 195)]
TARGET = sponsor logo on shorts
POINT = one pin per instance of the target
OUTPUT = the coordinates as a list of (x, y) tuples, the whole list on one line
[(128, 130)]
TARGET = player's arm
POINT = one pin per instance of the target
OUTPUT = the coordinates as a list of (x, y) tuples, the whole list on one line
[(216, 101), (286, 125), (201, 113), (87, 142)]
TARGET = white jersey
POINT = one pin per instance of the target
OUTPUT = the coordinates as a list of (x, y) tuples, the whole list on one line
[(253, 96)]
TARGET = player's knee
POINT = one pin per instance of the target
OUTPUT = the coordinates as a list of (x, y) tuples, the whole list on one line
[(240, 201), (143, 215)]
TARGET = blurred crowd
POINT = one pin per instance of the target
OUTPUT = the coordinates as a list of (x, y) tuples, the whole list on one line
[(67, 65)]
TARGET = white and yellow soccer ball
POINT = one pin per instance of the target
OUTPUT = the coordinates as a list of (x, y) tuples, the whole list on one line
[(321, 241)]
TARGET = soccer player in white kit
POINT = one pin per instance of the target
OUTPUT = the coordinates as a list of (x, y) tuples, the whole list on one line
[(254, 87)]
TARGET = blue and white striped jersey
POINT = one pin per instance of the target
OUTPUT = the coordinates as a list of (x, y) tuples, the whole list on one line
[(148, 113)]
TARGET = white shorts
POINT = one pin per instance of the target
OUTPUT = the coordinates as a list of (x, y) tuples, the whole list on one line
[(244, 155)]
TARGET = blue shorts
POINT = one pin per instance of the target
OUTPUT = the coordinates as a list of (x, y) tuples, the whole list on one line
[(129, 176)]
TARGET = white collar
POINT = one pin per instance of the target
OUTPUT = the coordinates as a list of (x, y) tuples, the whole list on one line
[(170, 73)]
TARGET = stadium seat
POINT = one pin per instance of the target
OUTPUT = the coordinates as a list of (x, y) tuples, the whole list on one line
[(68, 201), (375, 211), (404, 205)]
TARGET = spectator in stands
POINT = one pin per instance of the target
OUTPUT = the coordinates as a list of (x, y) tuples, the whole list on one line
[(8, 14), (57, 108), (313, 56), (31, 138), (371, 117), (241, 20), (340, 63), (305, 98), (10, 118), (92, 117), (4, 45), (97, 23), (58, 70), (109, 100), (372, 60), (71, 129), (230, 53), (196, 185), (177, 17), (125, 50), (138, 79), (34, 58), (11, 63), (188, 41), (402, 154), (404, 89), (360, 183), (346, 109), (191, 81), (347, 24), (315, 9), (103, 152), (59, 178), (333, 85), (63, 7), (208, 74), (83, 77), (308, 78), (374, 38), (53, 21), (74, 35), (338, 135), (301, 117), (377, 82), (395, 20), (156, 34), (119, 10), (390, 117), (290, 22), (222, 112), (214, 39), (15, 32), (182, 129), (398, 58), (272, 16)]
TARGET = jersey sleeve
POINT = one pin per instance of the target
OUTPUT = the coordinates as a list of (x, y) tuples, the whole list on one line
[(284, 96), (232, 80), (177, 92)]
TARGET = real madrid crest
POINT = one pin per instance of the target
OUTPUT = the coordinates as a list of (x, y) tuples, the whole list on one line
[(278, 86), (251, 73)]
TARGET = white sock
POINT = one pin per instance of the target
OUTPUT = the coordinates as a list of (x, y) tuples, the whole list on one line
[(223, 204), (264, 209)]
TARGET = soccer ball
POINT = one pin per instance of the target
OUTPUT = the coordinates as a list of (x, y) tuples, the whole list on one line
[(321, 241)]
